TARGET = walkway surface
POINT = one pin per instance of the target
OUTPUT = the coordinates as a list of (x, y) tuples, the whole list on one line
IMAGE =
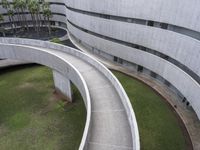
[(109, 127), (109, 124), (188, 116)]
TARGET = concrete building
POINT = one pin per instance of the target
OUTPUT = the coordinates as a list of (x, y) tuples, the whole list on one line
[(159, 37)]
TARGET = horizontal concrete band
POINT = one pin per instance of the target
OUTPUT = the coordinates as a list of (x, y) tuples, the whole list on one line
[(58, 8), (47, 54), (181, 13), (177, 77), (147, 23)]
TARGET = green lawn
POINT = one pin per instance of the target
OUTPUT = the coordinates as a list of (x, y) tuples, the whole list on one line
[(32, 117), (158, 126)]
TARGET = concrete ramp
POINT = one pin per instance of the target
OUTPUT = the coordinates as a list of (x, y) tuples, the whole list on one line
[(111, 123)]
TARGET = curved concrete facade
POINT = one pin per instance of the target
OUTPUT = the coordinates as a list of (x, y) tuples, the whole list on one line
[(112, 26), (107, 27), (111, 123), (176, 12)]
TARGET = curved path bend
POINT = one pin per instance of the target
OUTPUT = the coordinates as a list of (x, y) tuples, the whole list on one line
[(111, 123)]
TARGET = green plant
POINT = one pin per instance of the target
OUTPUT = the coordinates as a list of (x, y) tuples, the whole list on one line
[(47, 14), (56, 40), (6, 5), (1, 28)]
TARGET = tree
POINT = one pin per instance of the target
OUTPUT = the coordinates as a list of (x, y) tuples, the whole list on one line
[(6, 5), (17, 10), (1, 21), (32, 10), (47, 14), (11, 18), (35, 8), (22, 5)]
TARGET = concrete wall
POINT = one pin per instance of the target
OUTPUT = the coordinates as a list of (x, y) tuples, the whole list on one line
[(177, 12), (177, 77), (177, 42), (182, 48)]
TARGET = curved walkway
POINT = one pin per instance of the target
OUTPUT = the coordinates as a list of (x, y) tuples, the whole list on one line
[(112, 125)]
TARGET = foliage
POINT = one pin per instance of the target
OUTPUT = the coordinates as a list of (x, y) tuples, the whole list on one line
[(38, 9), (1, 28), (56, 40)]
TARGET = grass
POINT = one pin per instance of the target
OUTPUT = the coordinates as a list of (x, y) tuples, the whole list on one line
[(32, 118), (159, 128)]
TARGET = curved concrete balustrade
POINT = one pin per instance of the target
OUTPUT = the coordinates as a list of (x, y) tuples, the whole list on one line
[(54, 61), (112, 124), (177, 77)]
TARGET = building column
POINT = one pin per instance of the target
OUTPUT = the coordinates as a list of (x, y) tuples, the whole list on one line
[(62, 85)]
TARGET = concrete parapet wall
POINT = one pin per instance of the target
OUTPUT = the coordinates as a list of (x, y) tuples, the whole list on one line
[(50, 59)]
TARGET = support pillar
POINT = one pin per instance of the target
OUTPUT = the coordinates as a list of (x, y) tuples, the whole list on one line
[(62, 85)]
